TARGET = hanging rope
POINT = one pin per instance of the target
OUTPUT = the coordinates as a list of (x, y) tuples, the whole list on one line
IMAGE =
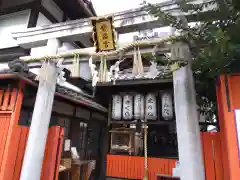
[(140, 63), (43, 71), (73, 66), (46, 66), (105, 70), (134, 69), (76, 66), (102, 75), (101, 70), (156, 41), (145, 153), (137, 62)]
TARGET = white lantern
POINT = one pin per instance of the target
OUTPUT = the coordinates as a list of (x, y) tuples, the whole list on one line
[(127, 107), (116, 107), (151, 107), (167, 106), (139, 106)]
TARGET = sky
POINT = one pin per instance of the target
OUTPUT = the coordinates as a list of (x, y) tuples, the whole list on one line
[(103, 7)]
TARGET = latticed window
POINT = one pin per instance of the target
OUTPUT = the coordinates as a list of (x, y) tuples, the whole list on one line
[(93, 142), (82, 140), (119, 139)]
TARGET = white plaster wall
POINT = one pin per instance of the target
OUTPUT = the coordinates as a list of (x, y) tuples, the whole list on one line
[(42, 21), (53, 9), (8, 24), (4, 66)]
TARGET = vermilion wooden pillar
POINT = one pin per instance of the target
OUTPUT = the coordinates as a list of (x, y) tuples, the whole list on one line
[(228, 94), (52, 155), (13, 138)]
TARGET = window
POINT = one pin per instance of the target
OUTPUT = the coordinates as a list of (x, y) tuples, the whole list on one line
[(25, 118), (82, 140), (93, 142)]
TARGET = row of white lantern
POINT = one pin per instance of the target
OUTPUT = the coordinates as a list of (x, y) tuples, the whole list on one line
[(136, 107)]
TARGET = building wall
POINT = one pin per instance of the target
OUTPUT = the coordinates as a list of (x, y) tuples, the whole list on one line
[(13, 138), (229, 99), (46, 12), (53, 9), (12, 22), (4, 4), (41, 21), (11, 133), (31, 13), (19, 21)]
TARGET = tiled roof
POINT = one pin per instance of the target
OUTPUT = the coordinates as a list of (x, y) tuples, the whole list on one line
[(17, 69), (78, 97)]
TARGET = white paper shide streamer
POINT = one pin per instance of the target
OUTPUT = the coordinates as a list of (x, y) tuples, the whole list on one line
[(116, 107), (151, 107), (127, 107), (139, 106), (167, 106)]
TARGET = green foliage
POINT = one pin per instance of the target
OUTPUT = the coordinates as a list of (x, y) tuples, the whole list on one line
[(214, 43)]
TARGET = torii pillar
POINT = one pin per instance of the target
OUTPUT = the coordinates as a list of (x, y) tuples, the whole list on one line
[(188, 131), (34, 153)]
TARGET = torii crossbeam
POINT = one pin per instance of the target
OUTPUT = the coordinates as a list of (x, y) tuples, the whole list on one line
[(80, 30)]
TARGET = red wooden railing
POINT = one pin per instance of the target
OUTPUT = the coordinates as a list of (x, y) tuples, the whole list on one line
[(213, 156), (132, 167), (13, 139), (10, 132)]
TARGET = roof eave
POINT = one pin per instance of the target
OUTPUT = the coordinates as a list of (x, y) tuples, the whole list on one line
[(88, 103)]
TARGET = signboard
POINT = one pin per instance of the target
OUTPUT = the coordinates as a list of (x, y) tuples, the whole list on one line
[(103, 34)]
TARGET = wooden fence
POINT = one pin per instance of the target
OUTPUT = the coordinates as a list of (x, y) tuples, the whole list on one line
[(132, 167), (13, 139)]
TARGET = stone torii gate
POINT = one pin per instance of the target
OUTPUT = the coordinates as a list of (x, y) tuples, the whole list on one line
[(189, 143)]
